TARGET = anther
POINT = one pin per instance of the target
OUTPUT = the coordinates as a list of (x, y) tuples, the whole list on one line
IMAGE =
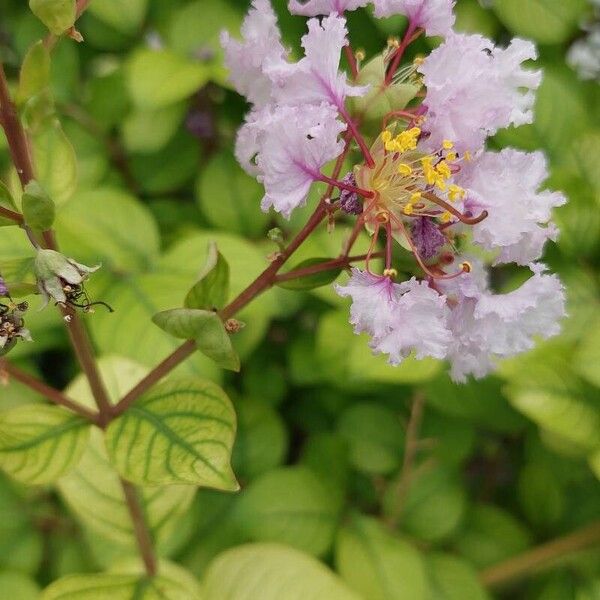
[(390, 273)]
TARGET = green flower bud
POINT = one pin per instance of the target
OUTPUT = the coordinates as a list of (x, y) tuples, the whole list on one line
[(55, 273)]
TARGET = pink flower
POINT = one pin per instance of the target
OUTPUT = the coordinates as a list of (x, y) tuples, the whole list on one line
[(293, 147), (486, 326), (316, 77), (434, 16), (475, 88), (312, 8), (260, 45), (400, 318), (507, 185)]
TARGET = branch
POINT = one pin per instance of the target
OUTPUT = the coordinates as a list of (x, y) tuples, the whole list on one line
[(410, 452), (12, 215), (541, 557), (51, 393), (140, 527)]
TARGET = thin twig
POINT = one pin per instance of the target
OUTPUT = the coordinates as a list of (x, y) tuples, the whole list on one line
[(11, 214), (48, 392), (410, 451), (140, 527), (542, 557)]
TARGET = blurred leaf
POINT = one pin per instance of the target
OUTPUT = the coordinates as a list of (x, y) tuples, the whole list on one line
[(35, 73), (17, 586), (55, 161), (451, 578), (147, 131), (170, 584), (126, 18), (327, 454), (261, 442), (229, 198), (39, 444), (56, 15), (375, 437), (292, 506), (378, 565), (158, 78), (540, 495), (108, 225), (491, 535), (546, 21), (267, 571), (211, 291), (182, 431)]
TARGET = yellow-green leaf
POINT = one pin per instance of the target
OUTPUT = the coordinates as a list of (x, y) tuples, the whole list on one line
[(35, 73), (180, 432), (56, 15), (39, 444)]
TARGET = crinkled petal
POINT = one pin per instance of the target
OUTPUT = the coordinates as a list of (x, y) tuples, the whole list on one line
[(475, 88), (507, 185), (261, 44), (297, 144), (436, 17), (312, 8)]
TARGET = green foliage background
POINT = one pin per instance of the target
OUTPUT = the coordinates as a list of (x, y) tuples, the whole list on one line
[(144, 177)]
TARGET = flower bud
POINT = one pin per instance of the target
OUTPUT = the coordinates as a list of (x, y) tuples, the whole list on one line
[(55, 272)]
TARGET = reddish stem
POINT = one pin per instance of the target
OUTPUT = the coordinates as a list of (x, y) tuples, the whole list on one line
[(356, 135), (397, 56), (11, 214), (445, 205), (345, 186), (351, 61)]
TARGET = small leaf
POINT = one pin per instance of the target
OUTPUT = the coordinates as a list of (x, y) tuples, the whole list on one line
[(38, 207), (157, 78), (266, 571), (180, 432), (125, 17), (310, 282), (39, 444), (206, 328), (211, 291), (453, 579), (56, 15), (18, 586), (35, 73)]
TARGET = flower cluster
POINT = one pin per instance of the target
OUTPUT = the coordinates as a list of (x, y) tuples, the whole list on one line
[(425, 183), (12, 323)]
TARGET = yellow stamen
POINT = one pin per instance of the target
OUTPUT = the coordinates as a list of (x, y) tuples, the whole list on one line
[(467, 156), (415, 197), (390, 273), (405, 169), (447, 145), (455, 192), (451, 156), (408, 209), (466, 266), (445, 217)]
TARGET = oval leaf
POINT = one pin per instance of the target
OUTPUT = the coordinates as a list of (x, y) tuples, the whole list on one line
[(38, 208), (180, 432), (56, 15), (39, 444), (266, 571), (35, 73)]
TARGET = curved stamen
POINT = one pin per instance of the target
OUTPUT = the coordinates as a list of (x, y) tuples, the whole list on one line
[(460, 216)]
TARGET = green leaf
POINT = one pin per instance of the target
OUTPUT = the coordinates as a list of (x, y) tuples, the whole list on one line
[(180, 432), (19, 277), (171, 583), (157, 78), (451, 578), (211, 291), (491, 535), (35, 73), (39, 444), (377, 564), (93, 490), (17, 586), (206, 328), (290, 505), (55, 161), (268, 572), (310, 282), (261, 442), (587, 357), (375, 437), (125, 17), (56, 15), (38, 208), (546, 21), (229, 198), (540, 494), (109, 225), (435, 504)]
